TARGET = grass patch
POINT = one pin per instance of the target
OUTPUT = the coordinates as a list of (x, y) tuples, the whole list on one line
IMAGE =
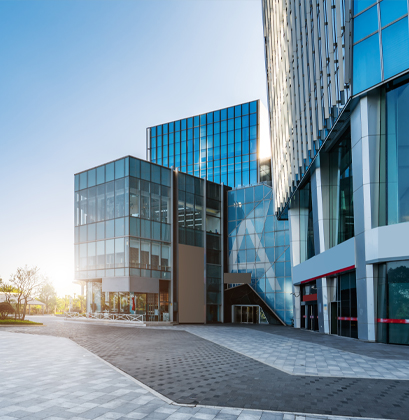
[(18, 322)]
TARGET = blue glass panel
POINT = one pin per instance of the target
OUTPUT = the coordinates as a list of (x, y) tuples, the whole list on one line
[(245, 121), (395, 40), (251, 257), (203, 119), (279, 279), (196, 121), (119, 168), (92, 178), (253, 107), (165, 129), (245, 132), (270, 285), (109, 172), (258, 212), (253, 133), (231, 213), (253, 177), (249, 195), (223, 126), (269, 226), (360, 5), (177, 126), (253, 119), (231, 112), (366, 64), (366, 24), (145, 171), (153, 131), (258, 193), (240, 196), (101, 174), (223, 114)]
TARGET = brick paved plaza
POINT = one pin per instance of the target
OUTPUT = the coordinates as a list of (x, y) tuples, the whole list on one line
[(202, 372)]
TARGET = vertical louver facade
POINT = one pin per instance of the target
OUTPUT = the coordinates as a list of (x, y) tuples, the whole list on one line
[(308, 61)]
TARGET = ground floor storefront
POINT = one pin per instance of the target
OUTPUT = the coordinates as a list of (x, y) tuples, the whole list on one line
[(331, 304), (152, 306)]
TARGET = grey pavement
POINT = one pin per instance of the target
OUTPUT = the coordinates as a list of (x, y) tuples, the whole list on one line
[(46, 377), (300, 357), (189, 369)]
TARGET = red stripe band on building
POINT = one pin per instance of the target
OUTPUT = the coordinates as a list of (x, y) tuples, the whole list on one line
[(393, 321), (308, 298), (347, 318), (332, 273)]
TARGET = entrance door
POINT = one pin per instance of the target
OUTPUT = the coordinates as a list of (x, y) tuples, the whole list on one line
[(246, 314), (312, 317), (334, 318), (303, 317)]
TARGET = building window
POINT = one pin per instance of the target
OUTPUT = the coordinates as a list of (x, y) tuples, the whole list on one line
[(345, 308), (394, 173), (302, 203), (341, 192), (393, 303)]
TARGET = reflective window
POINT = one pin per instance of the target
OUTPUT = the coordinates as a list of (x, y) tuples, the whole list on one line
[(341, 192), (110, 171), (119, 168), (92, 178), (366, 24), (395, 158), (366, 64), (395, 47), (83, 180), (392, 10)]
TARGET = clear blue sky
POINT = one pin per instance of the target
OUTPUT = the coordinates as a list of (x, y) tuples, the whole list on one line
[(80, 80)]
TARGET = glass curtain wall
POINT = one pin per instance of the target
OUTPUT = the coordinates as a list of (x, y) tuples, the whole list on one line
[(122, 220), (259, 244), (394, 163), (302, 203), (393, 303), (220, 146), (381, 41), (341, 192)]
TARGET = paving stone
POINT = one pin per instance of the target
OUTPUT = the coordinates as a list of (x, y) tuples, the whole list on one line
[(187, 369)]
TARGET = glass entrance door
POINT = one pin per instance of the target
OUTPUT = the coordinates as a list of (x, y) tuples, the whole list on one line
[(247, 314)]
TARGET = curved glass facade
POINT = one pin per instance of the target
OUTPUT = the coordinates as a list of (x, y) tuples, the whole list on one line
[(259, 244)]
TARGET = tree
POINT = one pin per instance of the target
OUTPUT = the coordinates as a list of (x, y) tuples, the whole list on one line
[(47, 294), (5, 309), (8, 291), (27, 282)]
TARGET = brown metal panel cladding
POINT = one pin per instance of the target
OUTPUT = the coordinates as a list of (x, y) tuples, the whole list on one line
[(237, 278), (191, 297)]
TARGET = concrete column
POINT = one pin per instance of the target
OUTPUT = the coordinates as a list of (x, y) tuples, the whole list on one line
[(297, 306), (365, 139)]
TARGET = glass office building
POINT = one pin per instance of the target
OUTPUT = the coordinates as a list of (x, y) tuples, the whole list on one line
[(131, 216), (258, 244), (340, 163), (222, 146)]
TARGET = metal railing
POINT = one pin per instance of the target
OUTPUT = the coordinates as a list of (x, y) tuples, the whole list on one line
[(106, 316)]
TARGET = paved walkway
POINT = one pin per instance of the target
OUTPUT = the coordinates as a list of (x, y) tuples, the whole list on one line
[(46, 377), (300, 357)]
